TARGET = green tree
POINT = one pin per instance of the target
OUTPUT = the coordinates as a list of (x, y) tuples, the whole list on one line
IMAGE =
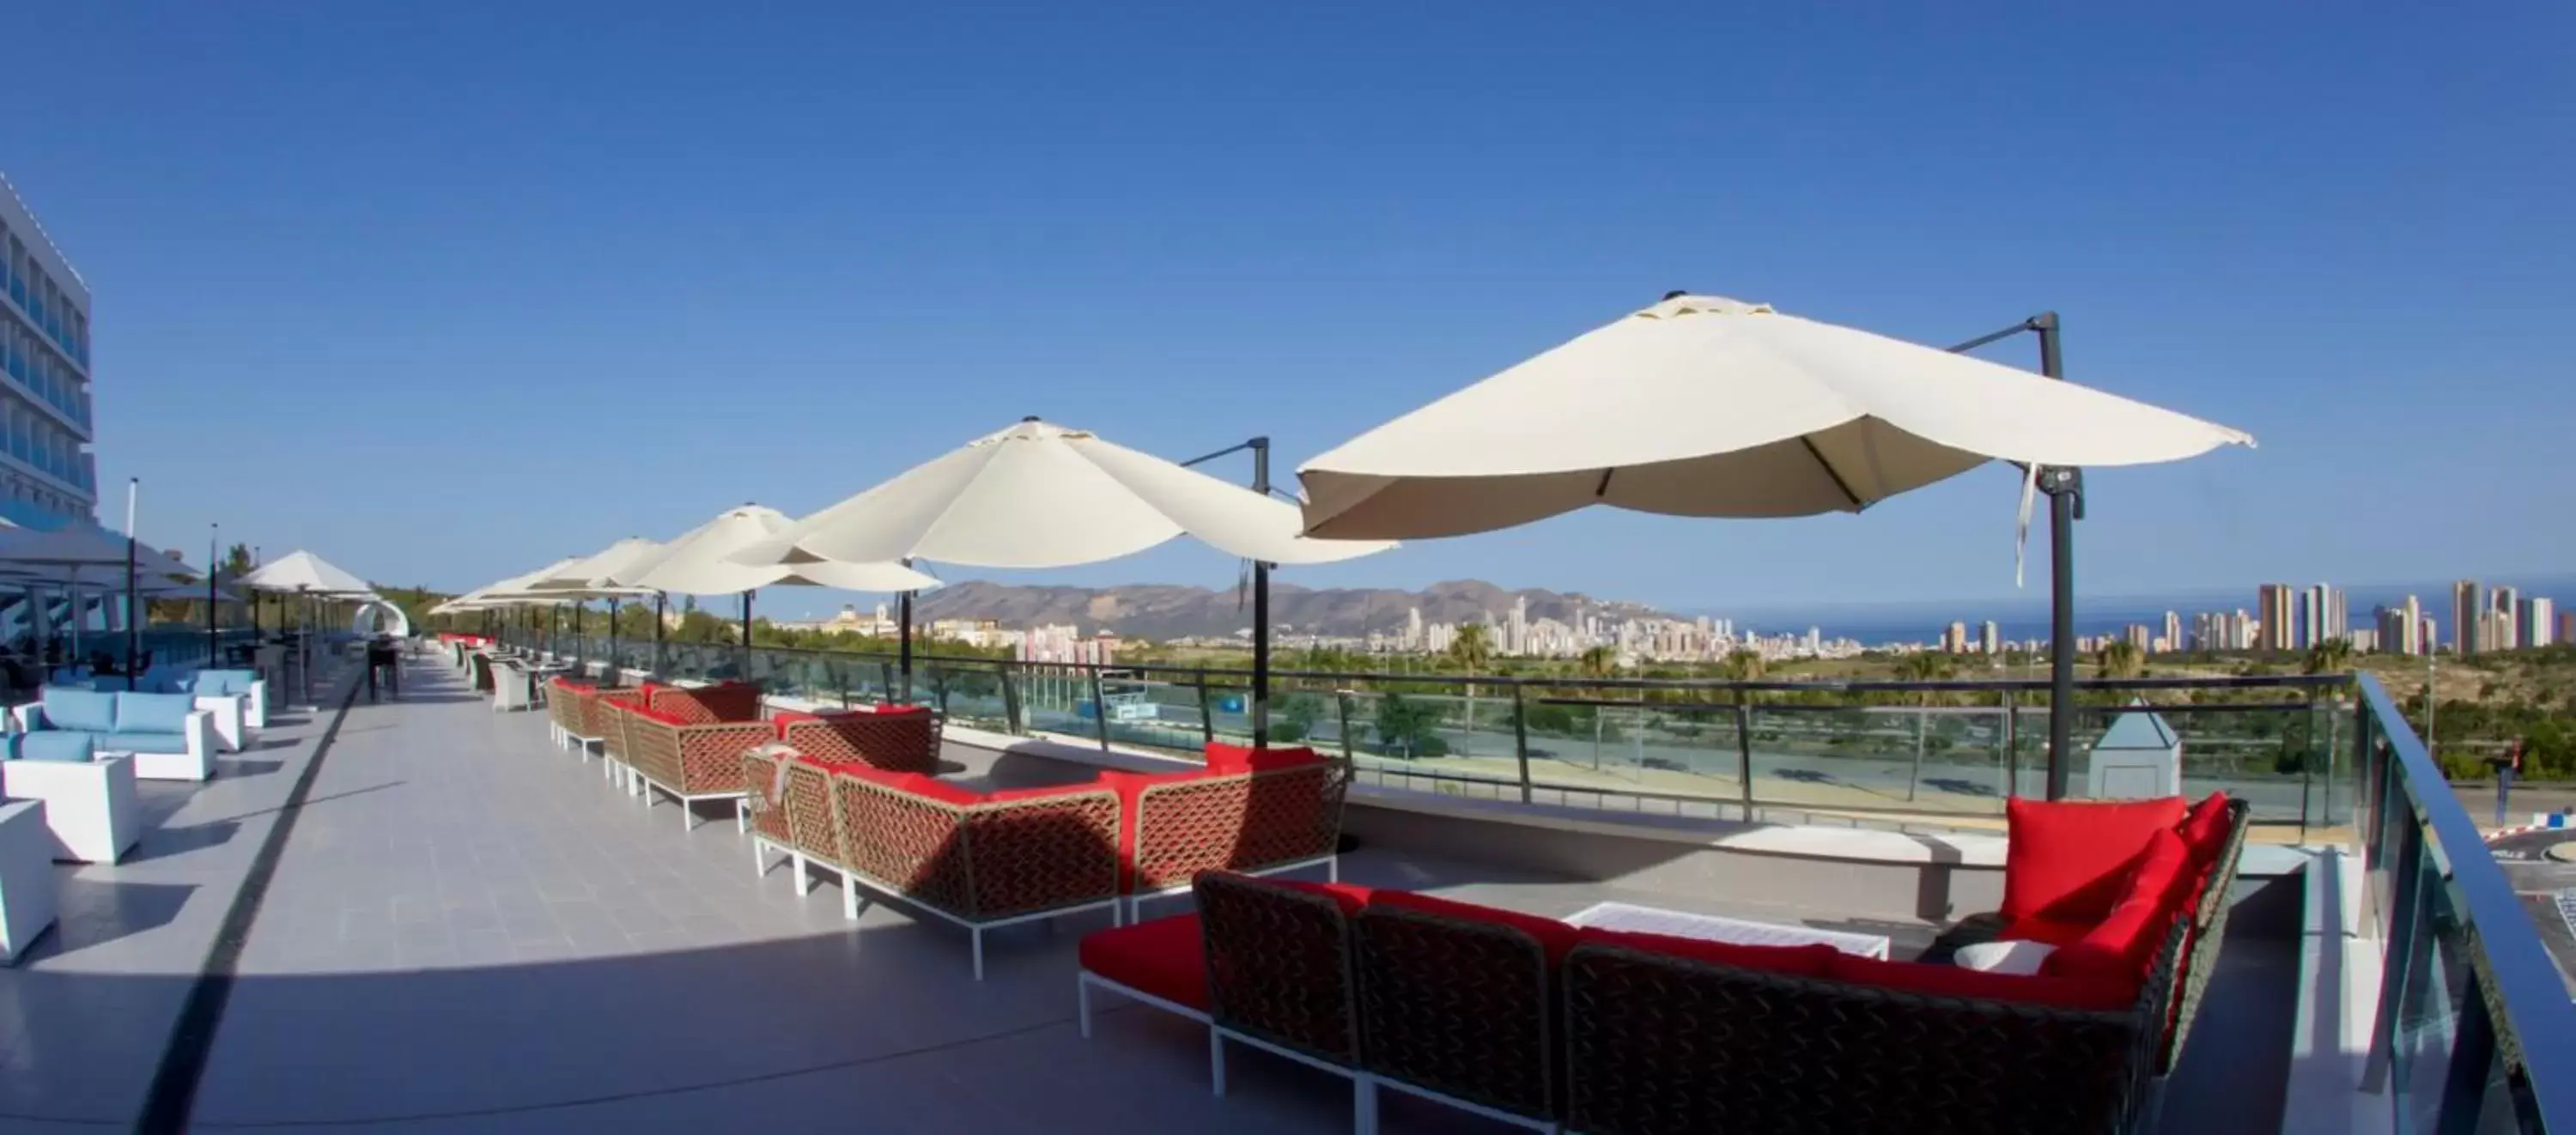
[(1407, 728), (1296, 719), (1599, 661), (1741, 665), (2332, 656), (2119, 658)]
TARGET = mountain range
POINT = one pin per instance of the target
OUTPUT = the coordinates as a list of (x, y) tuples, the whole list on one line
[(1168, 611)]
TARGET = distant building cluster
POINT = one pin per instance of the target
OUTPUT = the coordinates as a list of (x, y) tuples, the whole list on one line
[(1633, 638), (1056, 643), (2485, 618)]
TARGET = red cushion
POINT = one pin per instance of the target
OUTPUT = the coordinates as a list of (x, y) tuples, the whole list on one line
[(2124, 944), (936, 789), (2068, 860), (1553, 936), (2043, 930), (901, 781), (1161, 958), (2205, 829), (1350, 897), (1958, 981), (1236, 758), (1800, 961), (1042, 792)]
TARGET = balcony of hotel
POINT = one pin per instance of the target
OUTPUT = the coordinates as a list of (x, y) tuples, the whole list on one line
[(406, 905)]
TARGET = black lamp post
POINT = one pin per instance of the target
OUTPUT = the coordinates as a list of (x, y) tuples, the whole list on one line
[(2064, 487)]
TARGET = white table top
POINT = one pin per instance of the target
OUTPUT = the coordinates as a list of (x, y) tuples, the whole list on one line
[(1718, 928)]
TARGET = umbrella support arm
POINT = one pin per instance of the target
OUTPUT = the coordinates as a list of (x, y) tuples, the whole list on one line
[(2065, 490), (1260, 701)]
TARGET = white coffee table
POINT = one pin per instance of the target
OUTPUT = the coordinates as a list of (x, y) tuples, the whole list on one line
[(1718, 928)]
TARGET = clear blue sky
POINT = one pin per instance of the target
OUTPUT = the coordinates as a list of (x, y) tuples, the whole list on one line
[(446, 291)]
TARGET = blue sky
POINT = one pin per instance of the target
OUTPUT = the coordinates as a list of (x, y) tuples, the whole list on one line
[(445, 292)]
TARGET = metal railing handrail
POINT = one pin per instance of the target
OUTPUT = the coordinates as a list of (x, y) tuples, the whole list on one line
[(2528, 990)]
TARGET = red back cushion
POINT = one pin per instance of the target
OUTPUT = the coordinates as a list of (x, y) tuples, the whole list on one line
[(2124, 944), (1798, 961), (1348, 896), (1553, 936), (1236, 758), (1044, 791), (1959, 981), (2068, 860), (2205, 829)]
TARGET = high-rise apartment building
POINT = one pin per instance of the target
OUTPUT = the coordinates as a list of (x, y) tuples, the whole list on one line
[(2400, 630), (2539, 622), (2173, 631), (2468, 616), (2275, 605), (1990, 637), (48, 476), (1954, 638), (2501, 632)]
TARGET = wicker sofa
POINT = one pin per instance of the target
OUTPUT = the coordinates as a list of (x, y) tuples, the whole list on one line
[(1537, 1023), (978, 860), (1251, 812), (688, 743), (892, 739)]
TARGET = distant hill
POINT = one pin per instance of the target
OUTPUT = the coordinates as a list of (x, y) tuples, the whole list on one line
[(1164, 611)]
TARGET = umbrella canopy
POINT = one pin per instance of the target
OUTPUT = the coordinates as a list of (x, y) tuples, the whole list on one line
[(307, 573), (699, 562), (1038, 495), (592, 576), (1705, 406), (513, 591), (83, 546)]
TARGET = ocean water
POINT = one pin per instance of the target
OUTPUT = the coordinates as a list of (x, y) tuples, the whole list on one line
[(2026, 617)]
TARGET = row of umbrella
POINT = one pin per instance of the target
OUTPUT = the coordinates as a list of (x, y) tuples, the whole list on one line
[(1695, 406)]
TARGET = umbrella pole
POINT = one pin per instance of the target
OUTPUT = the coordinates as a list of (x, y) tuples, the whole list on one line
[(2065, 507), (610, 678), (1261, 611), (214, 534), (133, 634), (746, 634), (903, 642), (659, 600)]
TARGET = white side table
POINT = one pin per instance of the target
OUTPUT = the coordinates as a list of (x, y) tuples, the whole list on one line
[(27, 886)]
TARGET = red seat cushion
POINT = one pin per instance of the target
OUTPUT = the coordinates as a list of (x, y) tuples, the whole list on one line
[(1236, 758), (2205, 829), (657, 715), (2124, 944), (936, 789), (1959, 981), (2043, 930), (2068, 860), (1162, 958), (1799, 961), (1043, 791), (1553, 936)]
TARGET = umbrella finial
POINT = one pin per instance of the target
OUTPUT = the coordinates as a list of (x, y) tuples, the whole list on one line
[(1028, 417), (1674, 294)]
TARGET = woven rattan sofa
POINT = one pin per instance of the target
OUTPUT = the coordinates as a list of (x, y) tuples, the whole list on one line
[(688, 743), (1538, 1023)]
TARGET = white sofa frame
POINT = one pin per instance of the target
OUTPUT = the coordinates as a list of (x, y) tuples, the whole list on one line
[(92, 810), (198, 763)]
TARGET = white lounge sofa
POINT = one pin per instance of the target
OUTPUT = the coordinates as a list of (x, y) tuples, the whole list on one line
[(92, 812), (168, 737)]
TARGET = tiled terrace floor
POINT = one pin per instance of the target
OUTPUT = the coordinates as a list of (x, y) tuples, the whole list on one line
[(469, 931)]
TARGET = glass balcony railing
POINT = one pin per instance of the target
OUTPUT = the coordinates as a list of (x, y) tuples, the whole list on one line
[(2472, 1011)]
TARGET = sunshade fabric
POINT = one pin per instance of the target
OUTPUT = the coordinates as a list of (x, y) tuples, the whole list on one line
[(1706, 406), (699, 562), (1038, 495), (594, 575), (305, 572)]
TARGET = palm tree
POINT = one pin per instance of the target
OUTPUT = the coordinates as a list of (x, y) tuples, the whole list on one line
[(1741, 665), (1472, 650), (1926, 666), (2330, 656), (1599, 661), (2119, 658)]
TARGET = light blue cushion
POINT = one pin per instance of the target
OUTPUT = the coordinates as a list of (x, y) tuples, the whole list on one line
[(52, 745), (144, 741), (88, 710), (153, 713), (218, 682)]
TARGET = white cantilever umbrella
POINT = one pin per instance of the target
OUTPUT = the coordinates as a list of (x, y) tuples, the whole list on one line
[(305, 573), (72, 554), (1701, 406), (589, 577), (1039, 495), (1704, 406), (698, 562)]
